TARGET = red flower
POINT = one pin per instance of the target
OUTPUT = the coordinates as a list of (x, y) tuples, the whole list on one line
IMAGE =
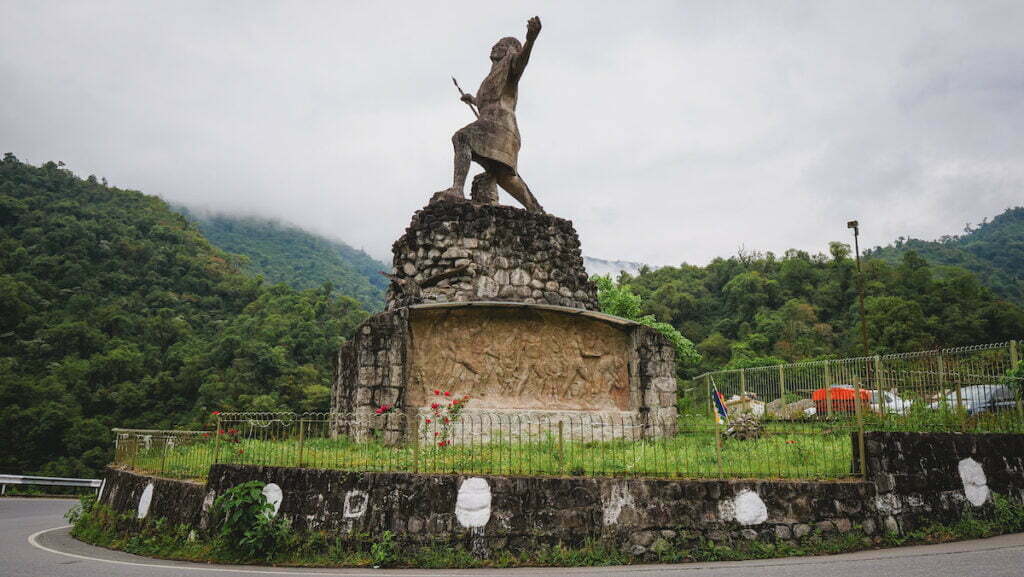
[(447, 420), (206, 434), (215, 413), (437, 434), (428, 421), (435, 406), (220, 431), (437, 392), (447, 393), (442, 443)]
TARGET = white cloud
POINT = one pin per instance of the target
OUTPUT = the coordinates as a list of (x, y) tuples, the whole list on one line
[(667, 132)]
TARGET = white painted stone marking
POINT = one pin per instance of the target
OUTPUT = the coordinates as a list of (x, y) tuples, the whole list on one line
[(974, 480), (144, 501), (750, 509), (355, 504), (618, 498), (473, 505), (211, 496), (274, 496)]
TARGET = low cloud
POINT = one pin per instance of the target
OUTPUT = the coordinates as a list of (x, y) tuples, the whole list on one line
[(667, 132)]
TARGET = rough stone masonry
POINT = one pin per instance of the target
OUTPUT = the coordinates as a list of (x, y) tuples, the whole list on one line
[(500, 253), (494, 302)]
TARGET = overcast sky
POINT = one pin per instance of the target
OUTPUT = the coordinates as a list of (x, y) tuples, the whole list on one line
[(668, 132)]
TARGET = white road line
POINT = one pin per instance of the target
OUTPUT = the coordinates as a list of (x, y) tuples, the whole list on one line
[(725, 566), (33, 540)]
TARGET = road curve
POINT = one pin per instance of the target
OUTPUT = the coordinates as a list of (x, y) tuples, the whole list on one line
[(35, 543)]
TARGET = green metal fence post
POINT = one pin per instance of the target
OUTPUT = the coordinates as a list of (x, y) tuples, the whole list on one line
[(561, 447), (163, 456), (718, 446), (1014, 359), (711, 402), (860, 427), (216, 441), (412, 428), (302, 439), (828, 388), (782, 384), (880, 386)]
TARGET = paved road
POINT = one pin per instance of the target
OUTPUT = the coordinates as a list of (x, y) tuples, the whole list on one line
[(30, 547)]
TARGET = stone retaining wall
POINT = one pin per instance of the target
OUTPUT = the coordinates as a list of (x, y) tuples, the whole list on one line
[(923, 478), (496, 512), (914, 479), (180, 502)]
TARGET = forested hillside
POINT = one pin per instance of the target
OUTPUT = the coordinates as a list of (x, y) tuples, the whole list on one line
[(993, 250), (300, 259), (116, 312), (756, 308)]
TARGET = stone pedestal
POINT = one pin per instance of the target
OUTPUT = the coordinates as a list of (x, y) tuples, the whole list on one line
[(508, 254), (493, 302)]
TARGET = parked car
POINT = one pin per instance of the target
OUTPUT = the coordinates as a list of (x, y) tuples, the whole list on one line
[(843, 400), (979, 399)]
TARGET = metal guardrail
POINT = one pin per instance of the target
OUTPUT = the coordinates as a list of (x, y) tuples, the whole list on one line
[(47, 481)]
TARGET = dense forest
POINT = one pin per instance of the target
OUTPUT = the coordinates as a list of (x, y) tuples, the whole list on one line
[(758, 308), (116, 312), (993, 250), (302, 260)]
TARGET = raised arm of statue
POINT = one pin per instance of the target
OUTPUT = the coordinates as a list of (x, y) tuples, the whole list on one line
[(523, 58)]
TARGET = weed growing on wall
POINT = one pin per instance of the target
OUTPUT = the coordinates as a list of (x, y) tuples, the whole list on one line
[(246, 524), (383, 550)]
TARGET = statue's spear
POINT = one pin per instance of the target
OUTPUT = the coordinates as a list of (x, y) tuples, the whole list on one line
[(461, 93)]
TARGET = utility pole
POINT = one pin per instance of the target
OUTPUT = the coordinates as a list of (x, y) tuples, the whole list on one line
[(860, 287)]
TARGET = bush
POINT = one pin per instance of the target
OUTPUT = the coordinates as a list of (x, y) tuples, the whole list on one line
[(245, 523), (383, 550)]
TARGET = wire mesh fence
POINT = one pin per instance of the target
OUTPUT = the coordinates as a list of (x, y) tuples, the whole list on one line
[(810, 423), (959, 389), (500, 444)]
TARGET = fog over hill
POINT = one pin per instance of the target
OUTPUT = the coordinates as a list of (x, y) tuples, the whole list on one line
[(602, 267)]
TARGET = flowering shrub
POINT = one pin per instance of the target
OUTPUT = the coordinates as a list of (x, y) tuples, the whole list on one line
[(445, 412)]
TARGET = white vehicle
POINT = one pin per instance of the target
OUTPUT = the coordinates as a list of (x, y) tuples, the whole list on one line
[(894, 404)]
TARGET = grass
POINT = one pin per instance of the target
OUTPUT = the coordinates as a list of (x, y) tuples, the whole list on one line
[(785, 450)]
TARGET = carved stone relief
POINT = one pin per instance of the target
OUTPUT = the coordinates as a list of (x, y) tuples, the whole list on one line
[(519, 359)]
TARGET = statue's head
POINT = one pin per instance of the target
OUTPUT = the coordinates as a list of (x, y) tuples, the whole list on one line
[(507, 46)]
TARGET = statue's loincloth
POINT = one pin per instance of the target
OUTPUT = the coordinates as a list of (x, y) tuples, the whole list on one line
[(493, 141)]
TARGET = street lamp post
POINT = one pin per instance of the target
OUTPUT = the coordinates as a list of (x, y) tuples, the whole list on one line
[(860, 286)]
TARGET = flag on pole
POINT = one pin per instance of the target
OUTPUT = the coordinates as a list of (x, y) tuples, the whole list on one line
[(721, 412)]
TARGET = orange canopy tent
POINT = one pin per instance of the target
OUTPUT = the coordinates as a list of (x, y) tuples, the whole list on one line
[(842, 399)]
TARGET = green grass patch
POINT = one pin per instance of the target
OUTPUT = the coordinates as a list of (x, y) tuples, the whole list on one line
[(785, 450)]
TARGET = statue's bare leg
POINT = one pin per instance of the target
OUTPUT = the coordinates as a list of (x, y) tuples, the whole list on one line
[(463, 156), (515, 186)]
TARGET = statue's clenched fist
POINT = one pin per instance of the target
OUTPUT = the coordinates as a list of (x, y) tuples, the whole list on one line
[(532, 28)]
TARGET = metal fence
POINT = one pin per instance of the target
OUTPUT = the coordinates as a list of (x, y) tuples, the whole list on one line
[(503, 444), (957, 389), (812, 419)]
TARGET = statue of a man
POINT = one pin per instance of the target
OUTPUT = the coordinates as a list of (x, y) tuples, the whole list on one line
[(493, 139)]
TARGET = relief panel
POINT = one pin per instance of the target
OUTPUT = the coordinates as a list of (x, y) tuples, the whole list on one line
[(519, 359)]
